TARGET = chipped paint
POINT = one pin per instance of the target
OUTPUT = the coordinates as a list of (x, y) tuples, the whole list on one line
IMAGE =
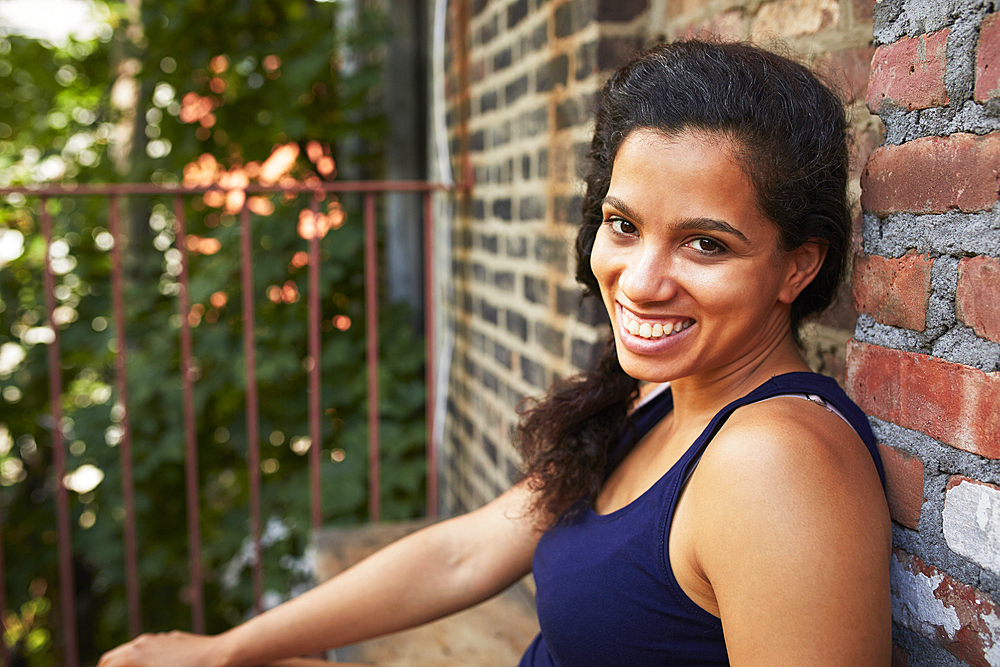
[(972, 521), (915, 605)]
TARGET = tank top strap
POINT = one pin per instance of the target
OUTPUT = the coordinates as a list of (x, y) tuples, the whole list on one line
[(789, 383)]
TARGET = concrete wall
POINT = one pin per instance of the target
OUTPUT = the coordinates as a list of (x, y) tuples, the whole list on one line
[(927, 350)]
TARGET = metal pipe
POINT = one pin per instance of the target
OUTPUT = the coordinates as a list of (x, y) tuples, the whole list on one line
[(253, 439), (126, 189), (67, 585), (371, 334), (315, 368), (190, 431), (121, 377), (432, 481)]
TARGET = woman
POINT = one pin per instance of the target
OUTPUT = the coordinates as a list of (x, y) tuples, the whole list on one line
[(734, 516)]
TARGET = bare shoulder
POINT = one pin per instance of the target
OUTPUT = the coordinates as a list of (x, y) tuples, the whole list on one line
[(799, 540)]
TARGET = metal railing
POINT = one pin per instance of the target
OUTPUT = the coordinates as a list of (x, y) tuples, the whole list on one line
[(114, 194)]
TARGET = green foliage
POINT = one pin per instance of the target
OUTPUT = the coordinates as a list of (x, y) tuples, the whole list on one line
[(271, 74)]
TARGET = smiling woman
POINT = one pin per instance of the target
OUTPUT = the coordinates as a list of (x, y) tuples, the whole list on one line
[(700, 498)]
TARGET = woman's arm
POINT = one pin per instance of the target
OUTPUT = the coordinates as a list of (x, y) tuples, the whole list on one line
[(797, 546), (434, 572)]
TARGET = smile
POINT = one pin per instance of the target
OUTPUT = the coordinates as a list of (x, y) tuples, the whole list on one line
[(653, 330)]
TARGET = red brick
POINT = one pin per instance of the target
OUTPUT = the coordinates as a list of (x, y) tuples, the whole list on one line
[(977, 299), (956, 404), (894, 291), (904, 481), (988, 59), (864, 10), (953, 614), (909, 73), (849, 69), (932, 175), (900, 658)]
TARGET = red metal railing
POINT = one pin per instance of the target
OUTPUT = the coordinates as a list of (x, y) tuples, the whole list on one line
[(369, 190)]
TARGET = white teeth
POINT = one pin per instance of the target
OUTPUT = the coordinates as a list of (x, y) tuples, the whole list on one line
[(645, 330)]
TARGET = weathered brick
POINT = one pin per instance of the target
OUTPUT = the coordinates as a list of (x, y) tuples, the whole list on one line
[(515, 90), (790, 18), (904, 481), (553, 73), (503, 356), (943, 609), (568, 114), (488, 311), (502, 59), (532, 373), (850, 70), (516, 12), (910, 73), (956, 404), (620, 10), (517, 324), (900, 658), (988, 59), (491, 382), (504, 280), (550, 339), (971, 521), (586, 60), (613, 52), (977, 298), (564, 20), (489, 242), (488, 101), (536, 290), (489, 30), (932, 175), (894, 291), (584, 354), (502, 208), (863, 11)]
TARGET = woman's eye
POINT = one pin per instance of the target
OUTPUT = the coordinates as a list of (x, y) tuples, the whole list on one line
[(706, 246), (623, 227)]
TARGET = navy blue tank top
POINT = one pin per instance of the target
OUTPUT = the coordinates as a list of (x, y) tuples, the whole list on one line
[(606, 593)]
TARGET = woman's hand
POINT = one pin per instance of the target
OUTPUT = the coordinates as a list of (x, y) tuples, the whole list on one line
[(171, 649)]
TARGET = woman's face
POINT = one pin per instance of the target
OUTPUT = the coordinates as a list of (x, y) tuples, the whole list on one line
[(689, 269)]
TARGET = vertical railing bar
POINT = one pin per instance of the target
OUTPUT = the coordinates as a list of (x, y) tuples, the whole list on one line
[(121, 370), (190, 432), (315, 429), (253, 439), (67, 585), (371, 331), (5, 658), (429, 367)]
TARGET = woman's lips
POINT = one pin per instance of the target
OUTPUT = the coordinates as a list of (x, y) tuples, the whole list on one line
[(651, 328)]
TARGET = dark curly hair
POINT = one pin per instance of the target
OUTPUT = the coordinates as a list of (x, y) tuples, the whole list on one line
[(789, 133)]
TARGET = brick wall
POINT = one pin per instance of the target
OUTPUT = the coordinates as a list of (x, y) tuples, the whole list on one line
[(520, 115), (521, 78), (927, 347)]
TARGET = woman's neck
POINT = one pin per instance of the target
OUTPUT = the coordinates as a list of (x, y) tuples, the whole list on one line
[(707, 393)]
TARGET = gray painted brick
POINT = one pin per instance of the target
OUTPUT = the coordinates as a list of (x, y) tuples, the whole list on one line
[(515, 90), (517, 324), (536, 290), (533, 373), (551, 339), (531, 208)]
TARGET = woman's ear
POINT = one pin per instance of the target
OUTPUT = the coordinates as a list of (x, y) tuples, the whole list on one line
[(803, 264)]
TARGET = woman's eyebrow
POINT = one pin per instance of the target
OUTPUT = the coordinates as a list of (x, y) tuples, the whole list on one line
[(712, 225), (696, 224)]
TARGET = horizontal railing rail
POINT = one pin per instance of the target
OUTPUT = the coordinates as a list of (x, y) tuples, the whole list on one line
[(115, 193)]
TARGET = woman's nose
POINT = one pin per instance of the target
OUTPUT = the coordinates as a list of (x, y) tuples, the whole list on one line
[(648, 278)]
